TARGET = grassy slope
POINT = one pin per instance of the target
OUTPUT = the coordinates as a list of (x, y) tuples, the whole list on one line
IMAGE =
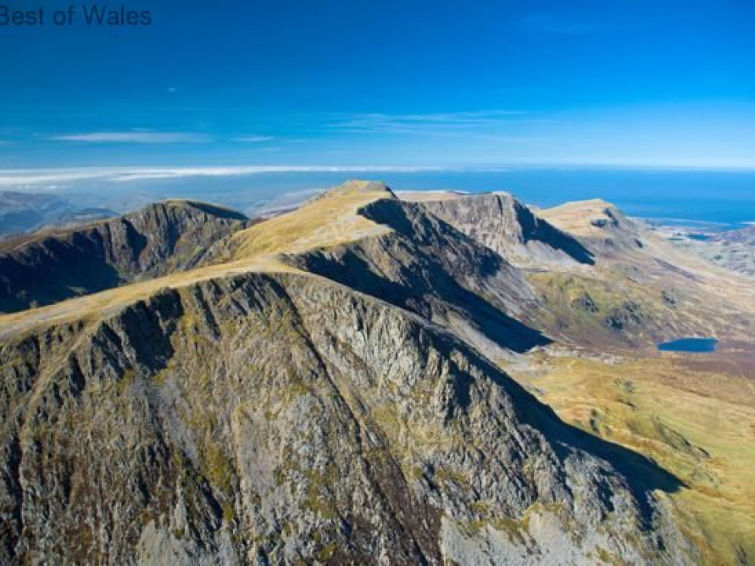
[(697, 423), (326, 221), (693, 414)]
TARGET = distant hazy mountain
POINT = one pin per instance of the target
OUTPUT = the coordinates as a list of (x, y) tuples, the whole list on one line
[(22, 212)]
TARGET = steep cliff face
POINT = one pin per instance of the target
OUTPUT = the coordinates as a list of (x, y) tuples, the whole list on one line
[(161, 238), (425, 265), (414, 259), (507, 226), (275, 418)]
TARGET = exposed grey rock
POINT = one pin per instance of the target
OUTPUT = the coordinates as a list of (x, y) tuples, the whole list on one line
[(271, 419), (585, 303), (629, 313), (507, 226), (48, 267)]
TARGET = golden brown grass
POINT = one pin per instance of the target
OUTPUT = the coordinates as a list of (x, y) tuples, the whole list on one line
[(329, 220), (575, 217), (703, 434), (99, 304)]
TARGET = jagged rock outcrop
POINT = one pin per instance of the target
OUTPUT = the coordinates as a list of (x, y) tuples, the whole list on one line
[(505, 225), (158, 239), (276, 418)]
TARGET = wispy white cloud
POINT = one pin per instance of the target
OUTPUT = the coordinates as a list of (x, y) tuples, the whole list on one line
[(423, 123), (134, 136), (28, 178), (253, 139)]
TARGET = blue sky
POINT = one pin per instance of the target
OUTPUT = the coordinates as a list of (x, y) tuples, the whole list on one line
[(390, 83)]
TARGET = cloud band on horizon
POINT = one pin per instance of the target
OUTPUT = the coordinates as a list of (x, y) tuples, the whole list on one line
[(21, 178), (136, 136)]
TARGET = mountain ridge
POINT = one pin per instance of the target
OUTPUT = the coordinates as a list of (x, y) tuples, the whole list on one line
[(47, 267), (343, 383)]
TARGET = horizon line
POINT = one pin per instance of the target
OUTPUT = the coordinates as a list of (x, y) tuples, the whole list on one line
[(28, 178)]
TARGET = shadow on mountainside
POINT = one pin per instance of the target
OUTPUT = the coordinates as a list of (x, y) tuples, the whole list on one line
[(534, 228), (441, 262), (51, 266), (53, 271), (424, 292), (428, 267), (642, 474)]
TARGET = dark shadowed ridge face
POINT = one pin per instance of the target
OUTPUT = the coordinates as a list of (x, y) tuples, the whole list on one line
[(534, 228), (51, 266)]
